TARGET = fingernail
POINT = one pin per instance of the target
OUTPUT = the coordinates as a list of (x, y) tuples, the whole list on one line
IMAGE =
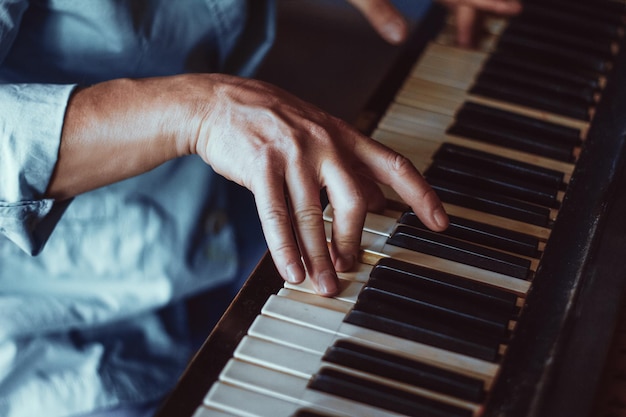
[(441, 218), (327, 282), (394, 31), (295, 275)]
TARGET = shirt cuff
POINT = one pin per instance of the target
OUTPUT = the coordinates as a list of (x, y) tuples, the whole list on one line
[(31, 122)]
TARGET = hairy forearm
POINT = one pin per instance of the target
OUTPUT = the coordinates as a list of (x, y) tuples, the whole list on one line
[(118, 129)]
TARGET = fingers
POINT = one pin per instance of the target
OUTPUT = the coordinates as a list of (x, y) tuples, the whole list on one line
[(468, 12), (390, 168), (466, 19), (349, 210), (384, 18), (502, 7), (376, 201), (306, 210), (285, 155), (294, 232), (275, 218)]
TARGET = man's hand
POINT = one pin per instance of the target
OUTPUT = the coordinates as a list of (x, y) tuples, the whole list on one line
[(467, 14), (281, 148), (392, 26), (285, 151)]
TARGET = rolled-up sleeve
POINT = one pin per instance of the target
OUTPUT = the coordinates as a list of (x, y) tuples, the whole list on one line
[(31, 121)]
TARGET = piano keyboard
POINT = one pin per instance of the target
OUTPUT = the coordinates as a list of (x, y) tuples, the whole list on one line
[(423, 323)]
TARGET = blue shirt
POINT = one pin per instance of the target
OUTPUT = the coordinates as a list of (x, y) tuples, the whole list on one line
[(80, 280)]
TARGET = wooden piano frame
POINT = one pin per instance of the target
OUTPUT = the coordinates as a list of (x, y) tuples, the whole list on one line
[(555, 361)]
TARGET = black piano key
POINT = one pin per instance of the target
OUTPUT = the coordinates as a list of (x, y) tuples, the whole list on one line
[(441, 337), (572, 40), (556, 86), (438, 323), (534, 97), (569, 22), (552, 68), (445, 247), (544, 131), (510, 139), (309, 413), (482, 234), (483, 178), (540, 130), (426, 279), (608, 11), (532, 173), (364, 391), (490, 127), (408, 371), (515, 40), (457, 309), (490, 203)]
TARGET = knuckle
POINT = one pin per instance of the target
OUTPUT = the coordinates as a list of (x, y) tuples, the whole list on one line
[(347, 241), (308, 216), (283, 250), (275, 217), (399, 164), (319, 132), (319, 261)]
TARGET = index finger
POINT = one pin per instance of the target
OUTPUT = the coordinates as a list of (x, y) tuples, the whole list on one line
[(390, 168), (384, 18), (501, 7)]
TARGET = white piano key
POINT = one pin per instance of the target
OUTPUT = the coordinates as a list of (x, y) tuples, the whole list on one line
[(359, 273), (456, 67), (278, 357), (332, 322), (289, 388), (348, 290), (246, 403), (307, 339), (301, 364), (303, 295), (291, 334), (429, 126), (204, 411), (415, 89), (375, 247)]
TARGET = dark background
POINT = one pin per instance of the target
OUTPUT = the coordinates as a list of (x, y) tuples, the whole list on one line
[(326, 53)]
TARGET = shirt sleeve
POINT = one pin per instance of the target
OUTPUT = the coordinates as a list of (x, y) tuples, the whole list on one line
[(31, 121), (11, 12)]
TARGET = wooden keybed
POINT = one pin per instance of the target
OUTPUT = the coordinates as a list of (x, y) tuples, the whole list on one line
[(535, 378)]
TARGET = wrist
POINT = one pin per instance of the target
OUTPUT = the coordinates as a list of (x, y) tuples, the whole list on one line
[(115, 130)]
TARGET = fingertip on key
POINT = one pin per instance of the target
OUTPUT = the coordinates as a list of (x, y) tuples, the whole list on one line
[(295, 273), (344, 263), (441, 218), (327, 284)]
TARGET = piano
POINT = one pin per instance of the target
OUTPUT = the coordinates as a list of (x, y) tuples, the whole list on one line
[(516, 309)]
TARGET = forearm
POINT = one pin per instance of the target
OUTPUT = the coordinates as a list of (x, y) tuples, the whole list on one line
[(119, 129)]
